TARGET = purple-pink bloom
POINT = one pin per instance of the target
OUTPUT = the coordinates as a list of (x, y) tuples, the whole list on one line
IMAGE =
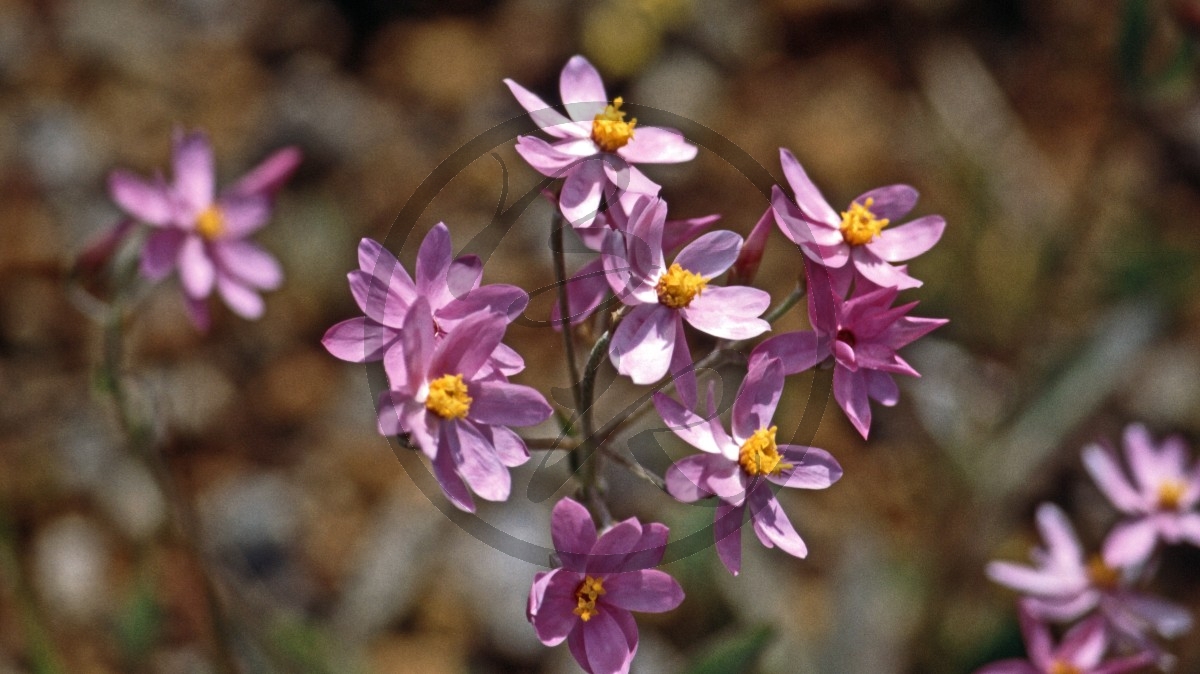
[(740, 467), (1160, 502), (594, 147), (1062, 585), (205, 235), (862, 335), (454, 407), (1081, 651), (587, 602), (384, 292), (650, 340), (856, 239)]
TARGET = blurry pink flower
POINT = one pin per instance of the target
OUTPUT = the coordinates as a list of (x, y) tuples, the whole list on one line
[(454, 408), (384, 292), (855, 240), (587, 602), (1161, 501), (203, 234), (650, 341), (1063, 586), (595, 148), (862, 335), (1081, 651), (733, 468)]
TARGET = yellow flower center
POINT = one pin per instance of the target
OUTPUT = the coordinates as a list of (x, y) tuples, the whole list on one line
[(587, 594), (448, 397), (1060, 667), (211, 223), (1102, 575), (610, 130), (859, 224), (1170, 494), (759, 455), (678, 287)]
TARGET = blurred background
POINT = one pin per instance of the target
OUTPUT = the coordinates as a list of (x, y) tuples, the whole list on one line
[(1060, 139)]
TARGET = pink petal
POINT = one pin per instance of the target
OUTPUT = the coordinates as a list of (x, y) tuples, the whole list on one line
[(711, 254), (269, 176), (628, 184), (897, 244), (1130, 543), (607, 650), (552, 605), (799, 228), (1038, 641), (378, 261), (647, 591), (879, 272), (1031, 581), (689, 426), (580, 196), (381, 302), (1061, 541), (250, 264), (850, 391), (1084, 644), (510, 448), (416, 345), (808, 197), (702, 475), (892, 202), (745, 267), (501, 403), (882, 388), (653, 145), (160, 253), (573, 532), (433, 264), (193, 168), (822, 300), (678, 232), (197, 311), (149, 202), (358, 340), (643, 343), (545, 158), (796, 351), (243, 214), (1141, 455), (582, 90), (548, 119), (586, 291), (770, 521), (244, 301), (813, 468), (196, 269), (729, 313), (1103, 468), (1011, 666), (453, 486), (681, 368), (648, 552), (477, 461), (468, 346), (506, 300), (727, 531), (613, 546), (757, 399)]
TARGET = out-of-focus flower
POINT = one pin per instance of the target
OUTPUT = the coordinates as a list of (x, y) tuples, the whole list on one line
[(1081, 651), (862, 335), (1063, 586), (595, 147), (587, 602), (650, 341), (745, 268), (1161, 500), (456, 409), (384, 292), (205, 235), (855, 240), (740, 468)]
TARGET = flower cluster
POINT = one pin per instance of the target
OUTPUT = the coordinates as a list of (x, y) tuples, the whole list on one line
[(1065, 585)]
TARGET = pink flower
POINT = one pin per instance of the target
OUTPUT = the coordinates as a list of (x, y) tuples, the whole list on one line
[(1081, 651), (203, 234), (733, 468), (596, 147), (1160, 502), (587, 602), (862, 335), (1062, 586), (456, 409), (857, 236), (384, 292), (650, 340)]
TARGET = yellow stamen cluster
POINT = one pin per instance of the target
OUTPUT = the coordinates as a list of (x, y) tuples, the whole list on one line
[(610, 130), (759, 455), (587, 594), (1061, 667), (678, 287), (211, 223), (859, 224), (1170, 494), (1102, 575), (448, 397)]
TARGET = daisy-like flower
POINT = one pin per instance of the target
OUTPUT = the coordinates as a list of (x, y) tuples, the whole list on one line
[(1160, 502), (595, 147), (384, 292), (650, 341), (1081, 651), (856, 239), (203, 234), (456, 409), (739, 468), (587, 602), (862, 335), (1063, 585)]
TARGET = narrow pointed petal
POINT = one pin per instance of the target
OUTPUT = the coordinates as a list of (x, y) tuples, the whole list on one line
[(898, 244), (506, 300), (147, 201), (468, 346), (808, 197), (850, 391), (799, 228), (757, 399), (891, 203), (727, 531), (271, 173), (654, 145), (477, 461), (547, 118), (711, 254), (243, 214), (453, 486), (812, 468), (433, 264), (586, 291), (580, 196), (196, 269), (573, 532), (1103, 468), (545, 158), (796, 351), (607, 650), (1061, 540), (244, 301), (193, 168), (882, 388), (358, 340), (248, 263), (646, 591), (689, 426), (500, 403), (1130, 543), (581, 89), (681, 368), (770, 521), (879, 272)]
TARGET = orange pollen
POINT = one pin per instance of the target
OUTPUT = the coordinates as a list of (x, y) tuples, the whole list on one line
[(211, 223), (1102, 575), (448, 397), (759, 455), (859, 224), (1060, 667), (610, 131), (1170, 494), (589, 591), (678, 287)]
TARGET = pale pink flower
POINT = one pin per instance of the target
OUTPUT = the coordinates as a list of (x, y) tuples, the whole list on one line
[(1081, 651)]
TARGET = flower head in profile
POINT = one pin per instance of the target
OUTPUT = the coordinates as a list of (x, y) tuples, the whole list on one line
[(1081, 651), (384, 292), (587, 602), (740, 467), (204, 234), (1160, 502), (862, 239), (861, 335), (1063, 585), (456, 409), (595, 145), (650, 340)]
